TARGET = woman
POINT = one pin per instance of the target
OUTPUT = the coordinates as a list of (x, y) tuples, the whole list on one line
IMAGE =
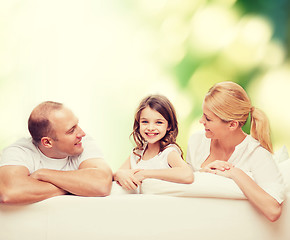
[(224, 149)]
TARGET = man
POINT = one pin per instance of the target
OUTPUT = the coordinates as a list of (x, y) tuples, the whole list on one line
[(59, 159)]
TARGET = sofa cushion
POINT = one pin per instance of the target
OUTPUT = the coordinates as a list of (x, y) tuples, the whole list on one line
[(118, 190), (281, 156), (210, 185), (285, 171), (205, 185)]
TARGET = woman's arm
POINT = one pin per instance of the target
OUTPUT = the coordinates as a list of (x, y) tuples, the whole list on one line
[(125, 176), (180, 171), (260, 199), (256, 195)]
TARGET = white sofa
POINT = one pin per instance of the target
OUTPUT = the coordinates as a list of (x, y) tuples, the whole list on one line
[(211, 208), (140, 217)]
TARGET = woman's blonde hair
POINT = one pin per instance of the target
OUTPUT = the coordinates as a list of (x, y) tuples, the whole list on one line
[(229, 101), (162, 105)]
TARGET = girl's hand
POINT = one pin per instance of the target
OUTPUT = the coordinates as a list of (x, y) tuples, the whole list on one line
[(126, 178), (217, 167), (140, 175)]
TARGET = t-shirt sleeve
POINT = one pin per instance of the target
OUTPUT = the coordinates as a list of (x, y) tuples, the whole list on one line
[(189, 154), (16, 156), (195, 150), (91, 150), (266, 174)]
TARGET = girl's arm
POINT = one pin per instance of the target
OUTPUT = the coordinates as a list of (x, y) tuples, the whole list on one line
[(125, 176), (180, 171), (260, 199)]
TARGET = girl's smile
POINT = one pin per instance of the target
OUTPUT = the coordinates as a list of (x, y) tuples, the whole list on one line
[(153, 126)]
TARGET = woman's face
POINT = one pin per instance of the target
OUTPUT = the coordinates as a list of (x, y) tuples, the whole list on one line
[(215, 128)]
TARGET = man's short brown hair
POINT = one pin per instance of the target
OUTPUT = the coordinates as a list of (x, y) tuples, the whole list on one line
[(39, 125)]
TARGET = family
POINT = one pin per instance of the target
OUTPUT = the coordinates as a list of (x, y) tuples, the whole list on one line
[(60, 159)]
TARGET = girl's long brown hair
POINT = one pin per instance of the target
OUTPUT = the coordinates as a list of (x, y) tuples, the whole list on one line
[(162, 105)]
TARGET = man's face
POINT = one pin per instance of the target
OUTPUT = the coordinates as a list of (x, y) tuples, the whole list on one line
[(68, 134)]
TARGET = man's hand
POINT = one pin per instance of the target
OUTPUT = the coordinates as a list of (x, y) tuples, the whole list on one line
[(39, 174)]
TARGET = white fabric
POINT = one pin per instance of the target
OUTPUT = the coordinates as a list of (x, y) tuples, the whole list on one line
[(118, 190), (25, 153), (281, 154), (157, 162), (249, 156), (285, 170), (205, 185), (142, 217)]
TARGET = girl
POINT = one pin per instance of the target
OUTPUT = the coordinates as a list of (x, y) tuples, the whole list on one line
[(224, 149), (157, 154)]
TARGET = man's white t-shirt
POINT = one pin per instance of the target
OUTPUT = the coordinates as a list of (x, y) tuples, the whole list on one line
[(25, 153), (249, 156)]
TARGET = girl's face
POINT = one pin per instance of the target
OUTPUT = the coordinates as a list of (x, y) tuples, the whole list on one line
[(215, 128), (153, 126)]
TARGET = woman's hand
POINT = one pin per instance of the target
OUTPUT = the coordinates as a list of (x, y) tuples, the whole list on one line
[(218, 167), (127, 179)]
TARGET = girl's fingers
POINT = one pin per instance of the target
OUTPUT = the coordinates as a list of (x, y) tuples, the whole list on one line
[(130, 185), (136, 181)]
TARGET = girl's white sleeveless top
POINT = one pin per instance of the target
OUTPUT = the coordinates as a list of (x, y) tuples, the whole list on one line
[(157, 162)]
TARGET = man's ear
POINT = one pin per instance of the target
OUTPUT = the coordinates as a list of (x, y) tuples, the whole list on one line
[(46, 142), (234, 125)]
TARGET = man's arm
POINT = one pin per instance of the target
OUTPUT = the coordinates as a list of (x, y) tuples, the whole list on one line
[(92, 179), (17, 187)]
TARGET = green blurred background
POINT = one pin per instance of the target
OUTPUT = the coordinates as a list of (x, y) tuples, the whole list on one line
[(101, 58)]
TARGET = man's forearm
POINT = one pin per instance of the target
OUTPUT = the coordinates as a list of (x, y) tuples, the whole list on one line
[(28, 191), (82, 182)]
